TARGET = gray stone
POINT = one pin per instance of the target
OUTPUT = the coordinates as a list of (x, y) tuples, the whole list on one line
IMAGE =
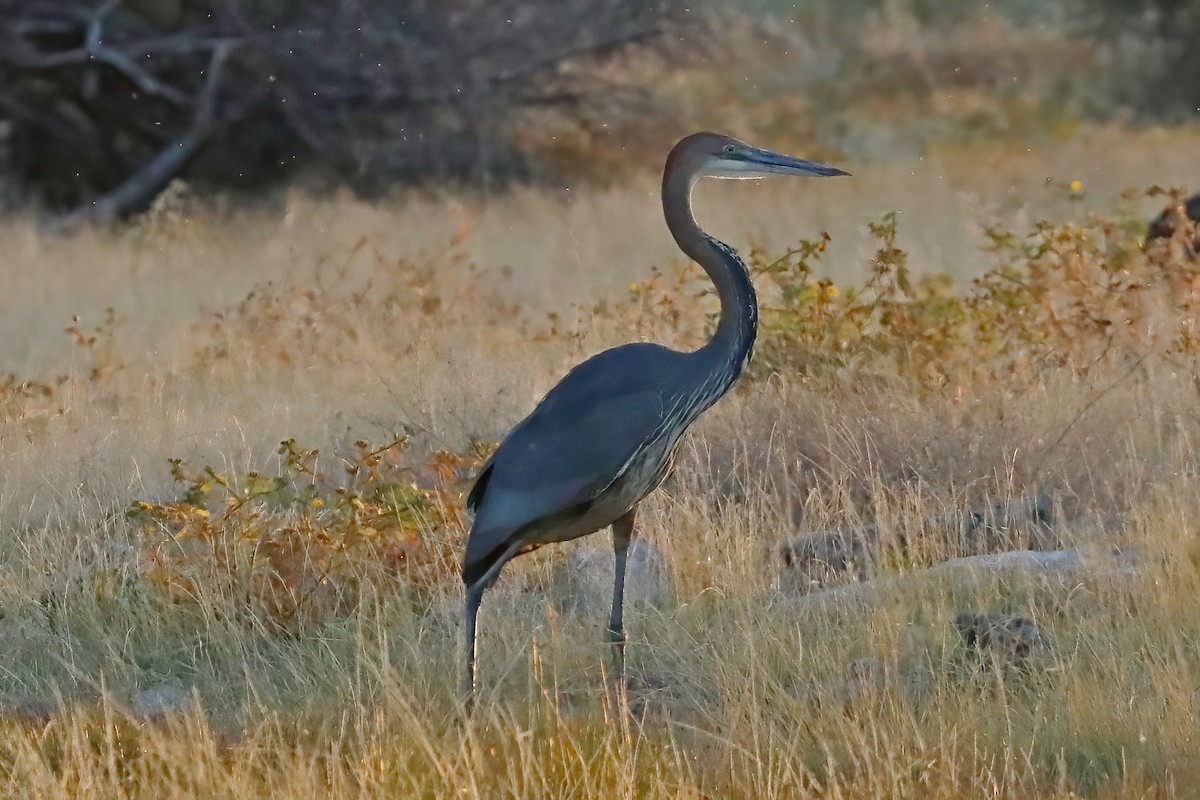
[(815, 560), (583, 581), (1025, 523), (160, 701), (1008, 637), (1063, 568)]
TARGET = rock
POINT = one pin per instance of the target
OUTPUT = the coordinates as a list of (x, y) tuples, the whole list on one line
[(583, 581), (1071, 564), (814, 560), (1007, 637), (822, 557), (1064, 568), (1023, 522), (160, 701)]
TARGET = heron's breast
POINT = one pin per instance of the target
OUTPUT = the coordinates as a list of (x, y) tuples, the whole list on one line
[(645, 471)]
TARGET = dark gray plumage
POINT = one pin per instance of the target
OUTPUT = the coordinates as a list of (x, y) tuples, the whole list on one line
[(603, 438)]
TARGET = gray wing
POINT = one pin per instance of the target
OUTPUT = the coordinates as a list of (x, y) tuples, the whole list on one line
[(578, 440)]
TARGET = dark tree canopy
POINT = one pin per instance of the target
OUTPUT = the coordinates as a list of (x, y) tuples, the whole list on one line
[(1169, 71), (102, 102)]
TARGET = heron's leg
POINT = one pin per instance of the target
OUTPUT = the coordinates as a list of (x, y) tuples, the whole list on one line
[(474, 598), (622, 535)]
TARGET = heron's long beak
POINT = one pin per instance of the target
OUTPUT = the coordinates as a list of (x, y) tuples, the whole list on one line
[(780, 164)]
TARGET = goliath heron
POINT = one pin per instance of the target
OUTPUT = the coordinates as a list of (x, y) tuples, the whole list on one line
[(603, 438)]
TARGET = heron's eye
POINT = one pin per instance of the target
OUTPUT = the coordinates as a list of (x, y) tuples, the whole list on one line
[(728, 149)]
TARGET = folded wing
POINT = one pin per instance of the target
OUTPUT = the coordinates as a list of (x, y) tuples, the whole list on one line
[(579, 439)]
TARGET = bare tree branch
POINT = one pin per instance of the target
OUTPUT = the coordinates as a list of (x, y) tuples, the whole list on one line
[(21, 54), (108, 102), (141, 187)]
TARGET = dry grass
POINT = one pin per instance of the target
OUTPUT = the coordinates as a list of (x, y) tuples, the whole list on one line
[(334, 321)]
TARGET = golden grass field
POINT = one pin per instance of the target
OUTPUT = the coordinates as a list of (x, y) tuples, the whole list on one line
[(443, 318)]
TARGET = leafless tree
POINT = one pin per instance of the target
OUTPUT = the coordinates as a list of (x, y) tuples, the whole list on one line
[(103, 102)]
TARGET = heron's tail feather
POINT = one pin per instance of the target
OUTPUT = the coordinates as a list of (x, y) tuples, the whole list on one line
[(487, 552)]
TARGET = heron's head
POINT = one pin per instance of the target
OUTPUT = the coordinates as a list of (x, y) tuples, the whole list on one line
[(712, 155)]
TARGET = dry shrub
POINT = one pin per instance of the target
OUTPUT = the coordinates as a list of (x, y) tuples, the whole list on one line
[(1076, 296), (97, 352), (335, 314), (303, 545)]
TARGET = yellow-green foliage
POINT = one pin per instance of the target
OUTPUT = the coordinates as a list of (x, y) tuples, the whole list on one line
[(1062, 295), (299, 546)]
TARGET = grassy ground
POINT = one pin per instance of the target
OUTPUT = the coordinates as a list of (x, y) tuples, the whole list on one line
[(305, 603)]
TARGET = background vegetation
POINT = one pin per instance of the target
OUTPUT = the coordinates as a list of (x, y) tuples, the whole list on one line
[(236, 429), (103, 103)]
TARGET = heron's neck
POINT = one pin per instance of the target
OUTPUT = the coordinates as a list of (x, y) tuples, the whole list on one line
[(733, 341)]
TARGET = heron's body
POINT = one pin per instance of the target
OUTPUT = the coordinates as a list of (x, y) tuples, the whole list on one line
[(550, 482), (604, 437)]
